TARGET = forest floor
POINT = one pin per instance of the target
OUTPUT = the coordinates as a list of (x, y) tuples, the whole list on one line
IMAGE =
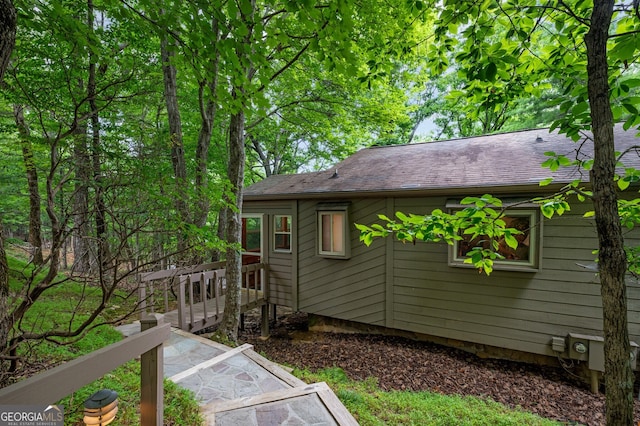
[(403, 364)]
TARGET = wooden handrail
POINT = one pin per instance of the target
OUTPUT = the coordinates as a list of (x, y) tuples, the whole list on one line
[(198, 289), (170, 273), (52, 385), (146, 278)]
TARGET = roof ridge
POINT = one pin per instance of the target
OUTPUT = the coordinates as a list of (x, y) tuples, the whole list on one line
[(461, 138)]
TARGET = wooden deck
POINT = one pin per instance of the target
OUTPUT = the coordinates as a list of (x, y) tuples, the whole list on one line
[(206, 314), (195, 313)]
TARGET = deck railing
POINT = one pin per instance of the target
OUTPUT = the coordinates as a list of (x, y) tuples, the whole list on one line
[(52, 385), (254, 282), (200, 292), (150, 282), (204, 306)]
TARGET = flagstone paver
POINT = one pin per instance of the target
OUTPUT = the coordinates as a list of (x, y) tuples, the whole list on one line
[(303, 410), (236, 386)]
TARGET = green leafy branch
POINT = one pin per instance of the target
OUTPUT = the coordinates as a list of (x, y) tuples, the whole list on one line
[(480, 217), (628, 210)]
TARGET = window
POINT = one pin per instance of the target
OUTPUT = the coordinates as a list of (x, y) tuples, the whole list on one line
[(333, 235), (526, 256), (282, 233), (251, 239)]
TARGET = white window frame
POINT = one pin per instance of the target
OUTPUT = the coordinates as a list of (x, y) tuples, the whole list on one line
[(533, 264), (333, 210), (276, 219)]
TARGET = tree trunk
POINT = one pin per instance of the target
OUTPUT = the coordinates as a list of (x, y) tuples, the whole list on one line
[(4, 297), (81, 240), (612, 259), (35, 220), (65, 252), (207, 115), (202, 159), (235, 173), (264, 158), (177, 148), (220, 232), (231, 317), (100, 219), (4, 268), (7, 33)]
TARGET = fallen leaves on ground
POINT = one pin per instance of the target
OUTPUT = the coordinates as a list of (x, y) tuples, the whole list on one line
[(403, 364)]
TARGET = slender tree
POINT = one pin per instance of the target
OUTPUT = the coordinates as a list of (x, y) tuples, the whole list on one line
[(612, 258), (7, 42), (35, 221), (65, 83), (5, 326), (7, 33), (102, 250), (231, 316), (270, 39), (587, 48), (176, 139), (235, 174)]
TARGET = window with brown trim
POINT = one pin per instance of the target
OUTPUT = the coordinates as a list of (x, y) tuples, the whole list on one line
[(251, 238), (525, 257)]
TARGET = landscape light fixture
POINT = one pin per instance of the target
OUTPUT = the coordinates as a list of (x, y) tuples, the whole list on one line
[(101, 408)]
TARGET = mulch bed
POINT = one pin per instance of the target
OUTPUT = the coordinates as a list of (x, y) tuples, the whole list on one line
[(402, 364)]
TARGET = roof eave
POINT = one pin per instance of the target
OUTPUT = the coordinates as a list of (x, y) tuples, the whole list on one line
[(532, 189)]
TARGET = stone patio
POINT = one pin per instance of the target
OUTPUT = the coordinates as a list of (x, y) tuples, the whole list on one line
[(237, 386)]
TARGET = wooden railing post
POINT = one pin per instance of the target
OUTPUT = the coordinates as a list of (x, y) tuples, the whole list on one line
[(182, 319), (151, 378), (142, 297), (54, 384)]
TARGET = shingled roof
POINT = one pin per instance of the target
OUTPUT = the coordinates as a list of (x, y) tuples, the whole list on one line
[(501, 163)]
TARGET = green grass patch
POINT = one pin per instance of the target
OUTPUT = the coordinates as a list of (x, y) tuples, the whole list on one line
[(180, 405), (67, 302), (372, 406), (63, 306), (70, 302)]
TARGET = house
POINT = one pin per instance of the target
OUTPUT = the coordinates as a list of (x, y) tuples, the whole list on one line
[(539, 303)]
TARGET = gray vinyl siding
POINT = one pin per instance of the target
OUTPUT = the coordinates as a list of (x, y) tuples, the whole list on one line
[(513, 310), (413, 288), (280, 284), (352, 289), (281, 265)]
